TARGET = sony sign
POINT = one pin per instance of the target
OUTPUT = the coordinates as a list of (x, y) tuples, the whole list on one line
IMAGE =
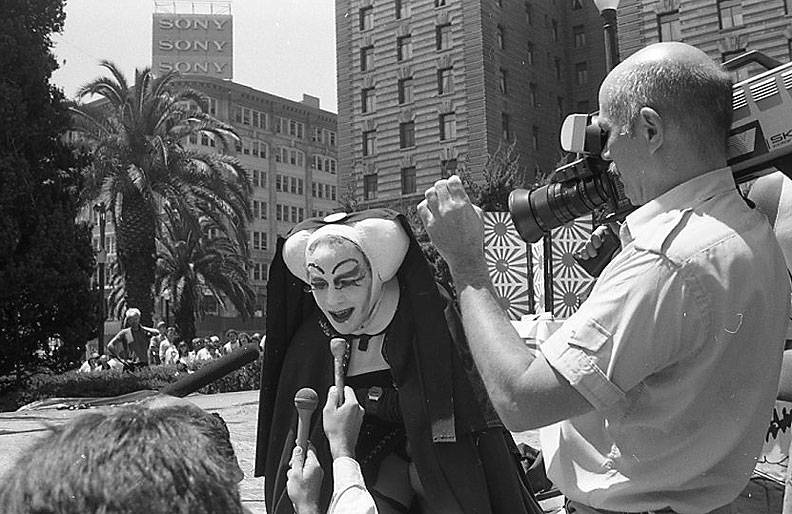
[(197, 44)]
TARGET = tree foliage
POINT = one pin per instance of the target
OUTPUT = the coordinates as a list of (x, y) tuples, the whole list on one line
[(45, 256), (140, 163), (194, 266)]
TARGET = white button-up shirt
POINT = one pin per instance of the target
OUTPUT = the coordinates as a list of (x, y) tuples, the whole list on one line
[(350, 495), (678, 349)]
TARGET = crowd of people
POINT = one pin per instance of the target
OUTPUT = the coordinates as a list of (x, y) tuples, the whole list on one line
[(136, 346), (653, 397)]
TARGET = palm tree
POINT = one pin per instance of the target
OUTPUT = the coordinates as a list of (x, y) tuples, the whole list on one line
[(193, 267), (140, 163)]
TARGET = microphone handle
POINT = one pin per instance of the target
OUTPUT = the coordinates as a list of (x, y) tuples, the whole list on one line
[(339, 379), (303, 425)]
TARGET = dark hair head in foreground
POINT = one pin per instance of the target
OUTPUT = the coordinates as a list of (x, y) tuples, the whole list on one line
[(129, 459)]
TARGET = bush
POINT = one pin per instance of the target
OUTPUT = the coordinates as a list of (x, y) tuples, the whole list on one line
[(110, 383)]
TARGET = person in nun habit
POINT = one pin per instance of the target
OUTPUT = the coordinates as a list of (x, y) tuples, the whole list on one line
[(430, 441)]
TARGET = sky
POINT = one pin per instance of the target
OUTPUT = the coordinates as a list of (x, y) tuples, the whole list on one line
[(283, 47)]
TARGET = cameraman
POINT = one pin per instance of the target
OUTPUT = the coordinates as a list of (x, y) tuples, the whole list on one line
[(657, 389)]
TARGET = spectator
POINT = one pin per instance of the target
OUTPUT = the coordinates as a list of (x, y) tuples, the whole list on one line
[(92, 364), (231, 340), (127, 459), (256, 338), (130, 345), (153, 352), (187, 355), (350, 496), (206, 353), (170, 339)]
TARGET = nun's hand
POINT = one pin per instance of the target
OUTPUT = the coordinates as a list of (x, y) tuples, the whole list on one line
[(454, 225)]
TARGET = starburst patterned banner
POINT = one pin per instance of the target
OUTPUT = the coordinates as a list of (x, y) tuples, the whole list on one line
[(508, 259)]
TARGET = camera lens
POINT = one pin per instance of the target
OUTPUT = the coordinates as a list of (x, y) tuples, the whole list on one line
[(538, 211)]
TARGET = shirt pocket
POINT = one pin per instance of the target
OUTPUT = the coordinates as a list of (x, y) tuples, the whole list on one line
[(589, 336)]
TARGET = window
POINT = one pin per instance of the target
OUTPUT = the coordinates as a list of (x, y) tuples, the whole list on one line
[(212, 106), (443, 36), (440, 3), (370, 187), (529, 13), (366, 18), (237, 110), (529, 55), (408, 180), (407, 134), (406, 91), (402, 9), (332, 137), (535, 138), (296, 129), (313, 189), (256, 208), (294, 214), (556, 36), (369, 142), (317, 135), (581, 73), (259, 240), (366, 58), (257, 271), (259, 178), (260, 149), (730, 13), (245, 116), (447, 126), (500, 37), (279, 122), (505, 133), (367, 100), (332, 192), (445, 81), (263, 212), (532, 95), (448, 168), (579, 35), (280, 183), (502, 81), (403, 48), (668, 27), (279, 212)]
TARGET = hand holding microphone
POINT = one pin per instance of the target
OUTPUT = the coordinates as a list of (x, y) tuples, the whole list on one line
[(305, 401), (338, 347)]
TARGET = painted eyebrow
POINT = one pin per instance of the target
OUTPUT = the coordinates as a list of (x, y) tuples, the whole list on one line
[(312, 265), (357, 264)]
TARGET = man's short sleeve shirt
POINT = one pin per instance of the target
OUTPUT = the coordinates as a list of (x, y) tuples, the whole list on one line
[(678, 349)]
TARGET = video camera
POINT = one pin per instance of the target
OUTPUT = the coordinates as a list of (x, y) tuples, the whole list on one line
[(760, 137)]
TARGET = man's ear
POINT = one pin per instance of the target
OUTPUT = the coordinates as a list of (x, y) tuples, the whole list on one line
[(651, 127)]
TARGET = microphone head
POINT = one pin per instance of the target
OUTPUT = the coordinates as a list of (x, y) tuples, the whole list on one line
[(306, 399), (338, 347)]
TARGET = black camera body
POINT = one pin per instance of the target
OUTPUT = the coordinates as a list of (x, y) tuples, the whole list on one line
[(760, 138)]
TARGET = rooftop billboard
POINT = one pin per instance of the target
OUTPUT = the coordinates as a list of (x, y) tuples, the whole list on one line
[(193, 44)]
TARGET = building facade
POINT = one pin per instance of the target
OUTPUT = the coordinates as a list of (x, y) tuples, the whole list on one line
[(721, 28), (427, 87)]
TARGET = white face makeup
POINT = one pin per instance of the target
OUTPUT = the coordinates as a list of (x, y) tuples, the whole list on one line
[(340, 278)]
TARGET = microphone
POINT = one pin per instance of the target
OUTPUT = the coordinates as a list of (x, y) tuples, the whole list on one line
[(338, 347), (305, 401), (212, 371)]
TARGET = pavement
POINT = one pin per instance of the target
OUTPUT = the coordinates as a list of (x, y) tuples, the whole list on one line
[(20, 429)]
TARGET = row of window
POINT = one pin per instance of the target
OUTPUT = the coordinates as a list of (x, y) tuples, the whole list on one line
[(445, 85), (283, 212), (446, 129), (322, 135), (323, 163), (408, 183), (404, 47), (284, 184), (319, 213), (326, 191), (255, 148), (259, 209), (290, 156), (260, 240), (250, 117), (293, 128)]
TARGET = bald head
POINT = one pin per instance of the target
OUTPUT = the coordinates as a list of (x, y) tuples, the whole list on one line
[(681, 83)]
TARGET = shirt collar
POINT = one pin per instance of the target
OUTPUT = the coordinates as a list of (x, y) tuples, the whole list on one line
[(687, 195)]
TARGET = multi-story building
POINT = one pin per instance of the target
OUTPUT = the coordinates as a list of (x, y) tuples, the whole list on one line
[(289, 149), (426, 87), (721, 28)]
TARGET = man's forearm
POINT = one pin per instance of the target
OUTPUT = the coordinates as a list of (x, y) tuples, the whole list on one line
[(500, 354)]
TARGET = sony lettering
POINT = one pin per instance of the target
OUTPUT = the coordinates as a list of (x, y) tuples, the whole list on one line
[(196, 67), (183, 45), (191, 24)]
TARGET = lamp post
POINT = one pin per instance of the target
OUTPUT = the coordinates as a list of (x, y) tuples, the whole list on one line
[(101, 259), (607, 9)]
